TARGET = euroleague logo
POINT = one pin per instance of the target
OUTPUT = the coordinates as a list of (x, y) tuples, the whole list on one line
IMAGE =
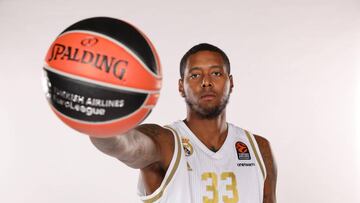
[(242, 151)]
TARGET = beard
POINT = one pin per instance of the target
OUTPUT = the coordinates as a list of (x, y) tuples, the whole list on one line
[(208, 113)]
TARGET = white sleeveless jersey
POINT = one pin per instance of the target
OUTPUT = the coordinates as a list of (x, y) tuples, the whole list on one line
[(234, 174)]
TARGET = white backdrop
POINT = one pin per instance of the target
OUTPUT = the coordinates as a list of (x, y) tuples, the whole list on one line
[(297, 82)]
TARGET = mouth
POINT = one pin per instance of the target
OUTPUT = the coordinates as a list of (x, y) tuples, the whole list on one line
[(208, 96)]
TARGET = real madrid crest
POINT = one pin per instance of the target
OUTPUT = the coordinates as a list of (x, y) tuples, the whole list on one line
[(188, 149)]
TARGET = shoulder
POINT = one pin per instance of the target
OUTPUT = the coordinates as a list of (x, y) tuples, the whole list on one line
[(267, 155), (271, 169), (265, 149), (153, 129), (163, 138), (262, 141)]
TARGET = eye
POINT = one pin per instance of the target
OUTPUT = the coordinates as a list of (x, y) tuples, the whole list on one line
[(194, 75), (217, 73)]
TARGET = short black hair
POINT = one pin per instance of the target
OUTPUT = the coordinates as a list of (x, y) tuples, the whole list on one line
[(203, 47)]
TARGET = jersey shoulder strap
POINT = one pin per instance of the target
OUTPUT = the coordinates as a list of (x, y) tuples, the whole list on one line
[(169, 175), (255, 148)]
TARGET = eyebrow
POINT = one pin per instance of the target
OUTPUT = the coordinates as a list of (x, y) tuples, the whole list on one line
[(198, 68)]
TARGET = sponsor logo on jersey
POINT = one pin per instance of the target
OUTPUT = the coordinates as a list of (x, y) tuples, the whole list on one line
[(242, 151), (245, 164), (188, 148)]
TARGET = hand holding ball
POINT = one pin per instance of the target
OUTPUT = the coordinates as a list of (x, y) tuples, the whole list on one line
[(102, 76)]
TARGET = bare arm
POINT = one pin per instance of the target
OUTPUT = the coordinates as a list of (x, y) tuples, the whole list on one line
[(271, 170), (139, 147)]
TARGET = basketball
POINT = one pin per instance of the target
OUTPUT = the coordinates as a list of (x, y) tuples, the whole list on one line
[(102, 76)]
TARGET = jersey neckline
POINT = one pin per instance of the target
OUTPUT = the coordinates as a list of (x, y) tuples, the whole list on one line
[(216, 155)]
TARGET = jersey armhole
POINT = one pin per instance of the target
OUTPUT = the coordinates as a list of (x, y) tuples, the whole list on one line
[(174, 165), (257, 153)]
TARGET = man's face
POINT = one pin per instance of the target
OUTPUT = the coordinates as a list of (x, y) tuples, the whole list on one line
[(206, 85)]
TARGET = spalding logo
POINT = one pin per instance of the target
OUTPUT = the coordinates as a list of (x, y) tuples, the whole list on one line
[(89, 41), (99, 61)]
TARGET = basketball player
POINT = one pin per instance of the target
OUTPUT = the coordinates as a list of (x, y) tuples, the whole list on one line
[(201, 159)]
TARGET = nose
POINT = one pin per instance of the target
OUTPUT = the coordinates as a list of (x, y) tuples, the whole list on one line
[(206, 82)]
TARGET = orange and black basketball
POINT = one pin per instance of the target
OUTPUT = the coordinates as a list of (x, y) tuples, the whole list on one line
[(102, 76)]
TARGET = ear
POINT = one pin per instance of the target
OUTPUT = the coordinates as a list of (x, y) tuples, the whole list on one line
[(181, 87), (231, 83)]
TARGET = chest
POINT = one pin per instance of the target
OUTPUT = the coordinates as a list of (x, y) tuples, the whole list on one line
[(229, 175)]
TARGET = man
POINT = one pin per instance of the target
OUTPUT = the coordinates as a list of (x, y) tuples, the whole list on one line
[(202, 159)]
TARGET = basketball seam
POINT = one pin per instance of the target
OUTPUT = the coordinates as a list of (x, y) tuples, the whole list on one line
[(83, 79), (156, 57)]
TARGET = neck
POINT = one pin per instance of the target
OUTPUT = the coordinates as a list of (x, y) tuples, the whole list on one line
[(212, 132)]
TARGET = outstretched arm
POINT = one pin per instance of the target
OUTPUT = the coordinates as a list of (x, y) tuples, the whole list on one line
[(140, 147), (271, 170)]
